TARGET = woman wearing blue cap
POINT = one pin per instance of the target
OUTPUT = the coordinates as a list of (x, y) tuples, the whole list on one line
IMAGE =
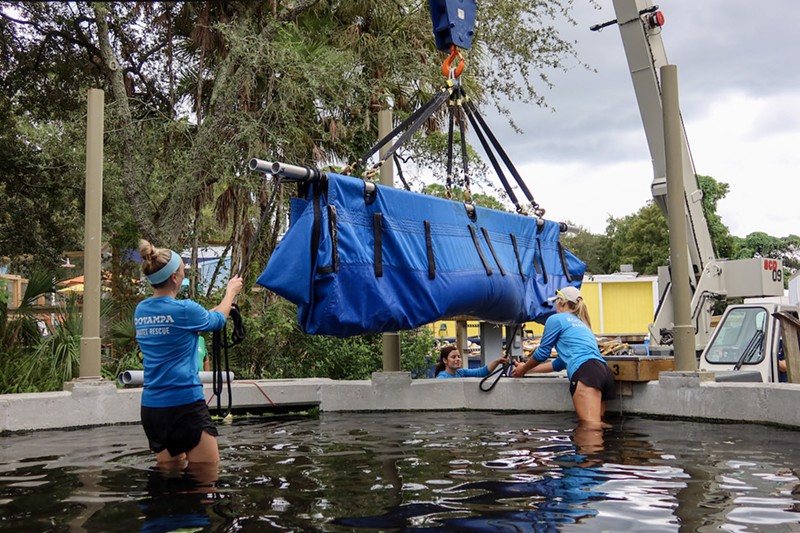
[(569, 331), (174, 412)]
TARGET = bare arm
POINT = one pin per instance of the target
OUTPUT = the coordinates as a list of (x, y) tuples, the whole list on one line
[(231, 291), (531, 365), (496, 362)]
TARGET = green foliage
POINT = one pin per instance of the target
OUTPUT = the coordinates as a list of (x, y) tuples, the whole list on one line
[(275, 347), (721, 238), (123, 351), (41, 191), (417, 351), (56, 358), (4, 292), (18, 327), (759, 244), (19, 333), (458, 194), (591, 249), (30, 362), (640, 239)]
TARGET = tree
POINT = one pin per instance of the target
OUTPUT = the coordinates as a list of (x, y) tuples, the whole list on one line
[(41, 193), (457, 194), (713, 192), (592, 249), (198, 88), (759, 244), (640, 239)]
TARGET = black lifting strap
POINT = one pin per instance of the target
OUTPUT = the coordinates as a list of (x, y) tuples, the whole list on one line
[(219, 339), (449, 177), (488, 149), (456, 109), (413, 123), (482, 128), (501, 370)]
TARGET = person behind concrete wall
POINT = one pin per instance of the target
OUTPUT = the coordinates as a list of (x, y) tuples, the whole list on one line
[(449, 365), (569, 331), (174, 414)]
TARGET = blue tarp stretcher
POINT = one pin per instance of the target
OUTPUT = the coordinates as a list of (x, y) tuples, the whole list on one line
[(357, 261)]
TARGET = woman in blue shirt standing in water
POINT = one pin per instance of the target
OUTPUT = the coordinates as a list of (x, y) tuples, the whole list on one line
[(449, 365), (569, 330), (174, 412)]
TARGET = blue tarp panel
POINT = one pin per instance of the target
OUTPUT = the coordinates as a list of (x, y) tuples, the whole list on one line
[(357, 263)]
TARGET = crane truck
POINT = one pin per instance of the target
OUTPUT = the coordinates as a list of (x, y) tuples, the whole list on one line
[(749, 338)]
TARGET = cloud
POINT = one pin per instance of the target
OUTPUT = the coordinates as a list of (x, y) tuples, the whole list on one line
[(739, 86)]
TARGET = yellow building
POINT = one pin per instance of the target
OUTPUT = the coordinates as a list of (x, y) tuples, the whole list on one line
[(622, 304)]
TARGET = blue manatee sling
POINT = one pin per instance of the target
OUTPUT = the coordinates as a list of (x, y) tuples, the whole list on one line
[(357, 261)]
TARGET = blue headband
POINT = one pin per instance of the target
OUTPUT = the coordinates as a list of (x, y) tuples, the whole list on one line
[(162, 274)]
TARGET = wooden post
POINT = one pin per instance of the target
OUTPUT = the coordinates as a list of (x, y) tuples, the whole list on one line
[(90, 340), (391, 340)]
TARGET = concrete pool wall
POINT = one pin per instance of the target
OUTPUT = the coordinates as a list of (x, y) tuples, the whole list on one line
[(693, 395)]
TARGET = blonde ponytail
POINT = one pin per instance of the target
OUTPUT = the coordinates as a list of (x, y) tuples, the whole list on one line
[(580, 310)]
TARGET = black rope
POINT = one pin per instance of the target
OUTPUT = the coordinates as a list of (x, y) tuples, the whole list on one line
[(503, 155), (489, 152), (219, 347), (449, 179), (416, 120), (219, 338), (462, 126), (504, 369)]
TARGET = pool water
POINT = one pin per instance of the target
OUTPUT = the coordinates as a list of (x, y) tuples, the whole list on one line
[(412, 471)]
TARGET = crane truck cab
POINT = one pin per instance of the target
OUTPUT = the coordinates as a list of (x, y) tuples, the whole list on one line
[(748, 343)]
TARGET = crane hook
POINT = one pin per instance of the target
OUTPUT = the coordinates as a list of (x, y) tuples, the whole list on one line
[(446, 69)]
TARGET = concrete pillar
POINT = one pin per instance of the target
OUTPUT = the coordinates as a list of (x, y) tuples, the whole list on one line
[(90, 340), (491, 341), (684, 345), (391, 341)]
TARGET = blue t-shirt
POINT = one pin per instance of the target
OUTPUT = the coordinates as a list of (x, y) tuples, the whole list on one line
[(166, 330), (573, 340), (465, 373)]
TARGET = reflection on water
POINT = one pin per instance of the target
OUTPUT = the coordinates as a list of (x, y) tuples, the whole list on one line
[(455, 471)]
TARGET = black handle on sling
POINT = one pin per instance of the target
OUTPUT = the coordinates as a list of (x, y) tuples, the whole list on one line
[(504, 369), (219, 346)]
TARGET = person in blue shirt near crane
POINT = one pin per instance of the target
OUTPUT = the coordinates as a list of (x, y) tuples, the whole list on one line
[(569, 331)]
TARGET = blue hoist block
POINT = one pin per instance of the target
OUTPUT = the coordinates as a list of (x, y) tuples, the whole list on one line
[(453, 23)]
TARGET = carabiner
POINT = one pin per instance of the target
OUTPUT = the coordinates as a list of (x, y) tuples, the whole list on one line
[(446, 70)]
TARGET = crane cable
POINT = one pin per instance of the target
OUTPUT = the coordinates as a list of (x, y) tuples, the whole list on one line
[(460, 107)]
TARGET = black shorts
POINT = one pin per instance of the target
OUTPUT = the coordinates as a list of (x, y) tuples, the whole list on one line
[(596, 374), (177, 429)]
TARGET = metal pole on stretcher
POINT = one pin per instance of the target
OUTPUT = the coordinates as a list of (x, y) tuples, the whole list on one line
[(295, 173)]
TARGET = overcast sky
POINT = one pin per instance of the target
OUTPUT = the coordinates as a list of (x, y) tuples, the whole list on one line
[(739, 84)]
